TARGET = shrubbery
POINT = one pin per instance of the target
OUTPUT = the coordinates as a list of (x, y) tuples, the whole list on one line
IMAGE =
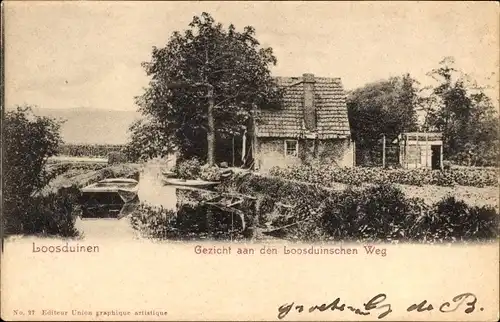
[(116, 157), (88, 150), (188, 169), (58, 168), (29, 141), (193, 169), (378, 213), (51, 214), (311, 212), (209, 173), (326, 175), (81, 176), (156, 222)]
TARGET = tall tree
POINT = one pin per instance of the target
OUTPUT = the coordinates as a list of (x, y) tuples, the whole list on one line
[(386, 107), (27, 142), (147, 140), (205, 80), (465, 115)]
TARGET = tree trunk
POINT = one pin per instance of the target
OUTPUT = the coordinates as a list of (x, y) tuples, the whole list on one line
[(211, 127)]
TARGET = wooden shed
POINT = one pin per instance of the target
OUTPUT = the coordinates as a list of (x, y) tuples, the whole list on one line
[(421, 150)]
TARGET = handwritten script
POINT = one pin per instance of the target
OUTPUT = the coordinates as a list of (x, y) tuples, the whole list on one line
[(380, 306)]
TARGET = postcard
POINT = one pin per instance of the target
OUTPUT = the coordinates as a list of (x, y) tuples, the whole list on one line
[(250, 161)]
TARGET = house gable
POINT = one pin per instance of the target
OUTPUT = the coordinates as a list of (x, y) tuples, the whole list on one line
[(329, 102)]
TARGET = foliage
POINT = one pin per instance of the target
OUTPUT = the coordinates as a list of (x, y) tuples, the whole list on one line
[(328, 176), (210, 173), (459, 221), (116, 157), (88, 150), (380, 213), (55, 169), (81, 176), (376, 213), (385, 107), (153, 221), (276, 188), (188, 169), (50, 214), (149, 139), (455, 106), (465, 115), (29, 141), (230, 62)]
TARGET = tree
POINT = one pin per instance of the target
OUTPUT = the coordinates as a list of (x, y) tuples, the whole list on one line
[(206, 80), (148, 140), (465, 115), (385, 107), (28, 141)]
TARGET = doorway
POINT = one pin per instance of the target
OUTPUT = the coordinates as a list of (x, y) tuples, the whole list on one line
[(436, 157)]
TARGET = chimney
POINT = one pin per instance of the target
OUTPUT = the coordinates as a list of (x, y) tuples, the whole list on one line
[(309, 107)]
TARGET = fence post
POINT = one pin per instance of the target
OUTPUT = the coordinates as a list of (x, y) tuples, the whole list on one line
[(441, 157), (233, 151), (383, 151)]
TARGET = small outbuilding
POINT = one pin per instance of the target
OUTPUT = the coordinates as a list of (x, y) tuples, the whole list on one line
[(420, 150)]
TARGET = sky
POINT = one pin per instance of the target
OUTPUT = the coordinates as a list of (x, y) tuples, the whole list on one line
[(89, 54)]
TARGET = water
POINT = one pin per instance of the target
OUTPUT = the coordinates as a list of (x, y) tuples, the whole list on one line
[(192, 217)]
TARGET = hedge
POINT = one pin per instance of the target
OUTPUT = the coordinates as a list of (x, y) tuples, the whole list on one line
[(326, 175), (51, 214), (312, 213), (378, 213)]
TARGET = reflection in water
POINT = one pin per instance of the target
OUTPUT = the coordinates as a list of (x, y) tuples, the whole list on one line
[(181, 212), (106, 205), (153, 192), (206, 220)]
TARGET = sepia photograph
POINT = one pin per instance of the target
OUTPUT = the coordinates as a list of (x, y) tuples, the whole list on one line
[(305, 130)]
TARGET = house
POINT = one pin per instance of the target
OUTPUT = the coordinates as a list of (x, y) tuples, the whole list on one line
[(312, 124), (420, 150)]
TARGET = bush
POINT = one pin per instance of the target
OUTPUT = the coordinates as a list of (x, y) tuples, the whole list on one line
[(89, 150), (378, 213), (446, 165), (52, 214), (81, 177), (29, 141), (151, 221), (375, 213), (69, 168), (209, 173), (328, 176), (453, 219), (188, 169)]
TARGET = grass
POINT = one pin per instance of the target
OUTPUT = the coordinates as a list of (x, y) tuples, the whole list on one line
[(81, 177)]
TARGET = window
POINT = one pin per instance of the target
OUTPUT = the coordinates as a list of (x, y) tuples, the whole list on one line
[(291, 148)]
